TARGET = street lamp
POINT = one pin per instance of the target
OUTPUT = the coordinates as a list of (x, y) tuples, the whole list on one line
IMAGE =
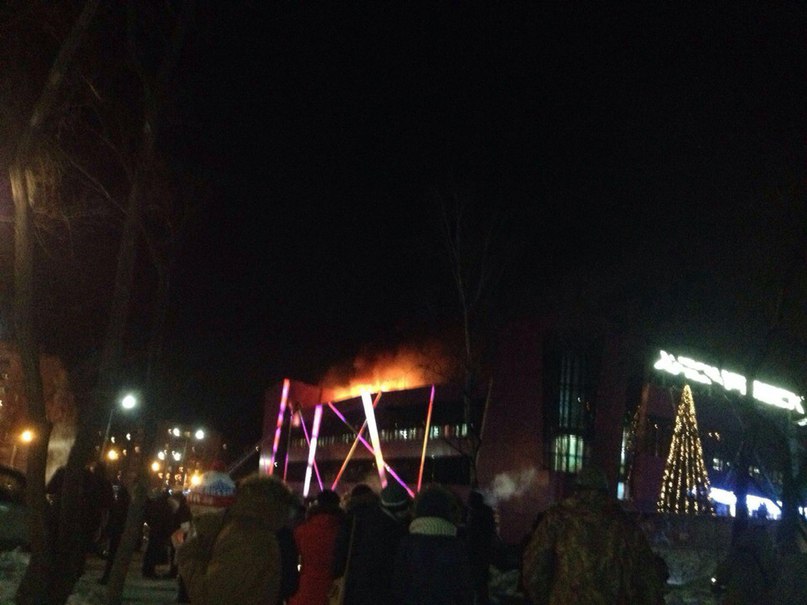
[(127, 403), (27, 436)]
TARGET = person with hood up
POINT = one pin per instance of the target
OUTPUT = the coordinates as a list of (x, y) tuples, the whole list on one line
[(587, 550), (432, 565), (233, 556), (316, 538), (376, 525)]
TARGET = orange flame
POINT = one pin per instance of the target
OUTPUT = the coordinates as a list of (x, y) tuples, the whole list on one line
[(407, 368)]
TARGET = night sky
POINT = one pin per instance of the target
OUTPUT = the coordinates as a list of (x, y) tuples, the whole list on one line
[(628, 145)]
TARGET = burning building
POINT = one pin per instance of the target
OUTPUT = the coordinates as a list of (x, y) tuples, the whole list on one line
[(416, 432), (554, 401)]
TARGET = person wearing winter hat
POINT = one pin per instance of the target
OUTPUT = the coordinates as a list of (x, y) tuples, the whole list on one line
[(431, 563), (374, 528), (395, 501), (316, 539), (235, 556)]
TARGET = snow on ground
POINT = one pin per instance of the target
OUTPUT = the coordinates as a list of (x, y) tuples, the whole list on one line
[(138, 590), (12, 568)]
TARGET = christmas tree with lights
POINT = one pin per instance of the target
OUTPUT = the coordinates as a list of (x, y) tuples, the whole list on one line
[(685, 486)]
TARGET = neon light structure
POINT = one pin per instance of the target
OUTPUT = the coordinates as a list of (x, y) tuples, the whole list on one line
[(730, 381), (353, 447), (284, 399), (308, 442), (426, 437), (295, 397), (312, 451), (369, 414), (369, 448)]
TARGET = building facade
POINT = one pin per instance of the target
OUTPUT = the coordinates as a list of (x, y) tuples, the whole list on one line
[(558, 400)]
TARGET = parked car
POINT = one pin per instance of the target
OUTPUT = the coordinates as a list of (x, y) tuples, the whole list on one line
[(13, 516)]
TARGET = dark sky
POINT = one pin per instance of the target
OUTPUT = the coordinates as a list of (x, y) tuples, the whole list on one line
[(322, 131)]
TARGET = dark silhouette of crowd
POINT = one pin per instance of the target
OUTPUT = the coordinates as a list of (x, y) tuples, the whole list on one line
[(265, 545), (370, 546), (366, 547), (389, 547)]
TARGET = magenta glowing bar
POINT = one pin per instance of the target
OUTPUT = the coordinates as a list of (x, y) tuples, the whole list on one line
[(369, 413), (292, 412), (312, 450), (369, 448), (426, 438), (284, 399), (353, 447)]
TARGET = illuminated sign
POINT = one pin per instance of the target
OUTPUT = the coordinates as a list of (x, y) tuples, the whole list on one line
[(706, 374)]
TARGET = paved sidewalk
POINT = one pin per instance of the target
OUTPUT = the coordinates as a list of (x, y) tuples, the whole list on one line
[(137, 589)]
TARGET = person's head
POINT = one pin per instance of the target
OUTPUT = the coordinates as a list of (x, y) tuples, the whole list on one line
[(475, 499), (265, 496), (361, 494), (437, 501), (327, 501), (360, 490), (592, 478), (395, 500)]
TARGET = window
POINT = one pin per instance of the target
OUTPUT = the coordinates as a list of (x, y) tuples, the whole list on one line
[(567, 453), (568, 409)]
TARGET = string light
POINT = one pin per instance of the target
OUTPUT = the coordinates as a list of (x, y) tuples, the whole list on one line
[(685, 485)]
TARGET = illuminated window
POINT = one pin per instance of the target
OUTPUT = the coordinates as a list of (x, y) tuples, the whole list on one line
[(568, 409), (567, 453)]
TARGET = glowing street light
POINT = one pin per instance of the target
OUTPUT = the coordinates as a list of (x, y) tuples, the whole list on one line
[(128, 402), (26, 437)]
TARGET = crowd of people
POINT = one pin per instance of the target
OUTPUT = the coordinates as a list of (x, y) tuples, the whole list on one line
[(370, 547), (265, 545), (373, 547)]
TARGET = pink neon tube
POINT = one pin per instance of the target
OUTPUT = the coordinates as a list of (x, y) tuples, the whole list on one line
[(312, 450), (284, 399), (353, 447), (426, 438), (369, 448)]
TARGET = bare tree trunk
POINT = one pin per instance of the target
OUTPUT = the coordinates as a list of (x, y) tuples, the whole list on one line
[(34, 587), (153, 90), (134, 517)]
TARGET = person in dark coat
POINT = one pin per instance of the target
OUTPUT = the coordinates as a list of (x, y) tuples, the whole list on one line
[(115, 526), (377, 525), (289, 563), (159, 516), (100, 499), (431, 564), (180, 523), (748, 574), (480, 534)]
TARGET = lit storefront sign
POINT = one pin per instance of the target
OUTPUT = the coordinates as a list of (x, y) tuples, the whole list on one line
[(730, 381)]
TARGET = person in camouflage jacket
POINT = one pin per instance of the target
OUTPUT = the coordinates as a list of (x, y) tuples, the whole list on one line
[(587, 551)]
